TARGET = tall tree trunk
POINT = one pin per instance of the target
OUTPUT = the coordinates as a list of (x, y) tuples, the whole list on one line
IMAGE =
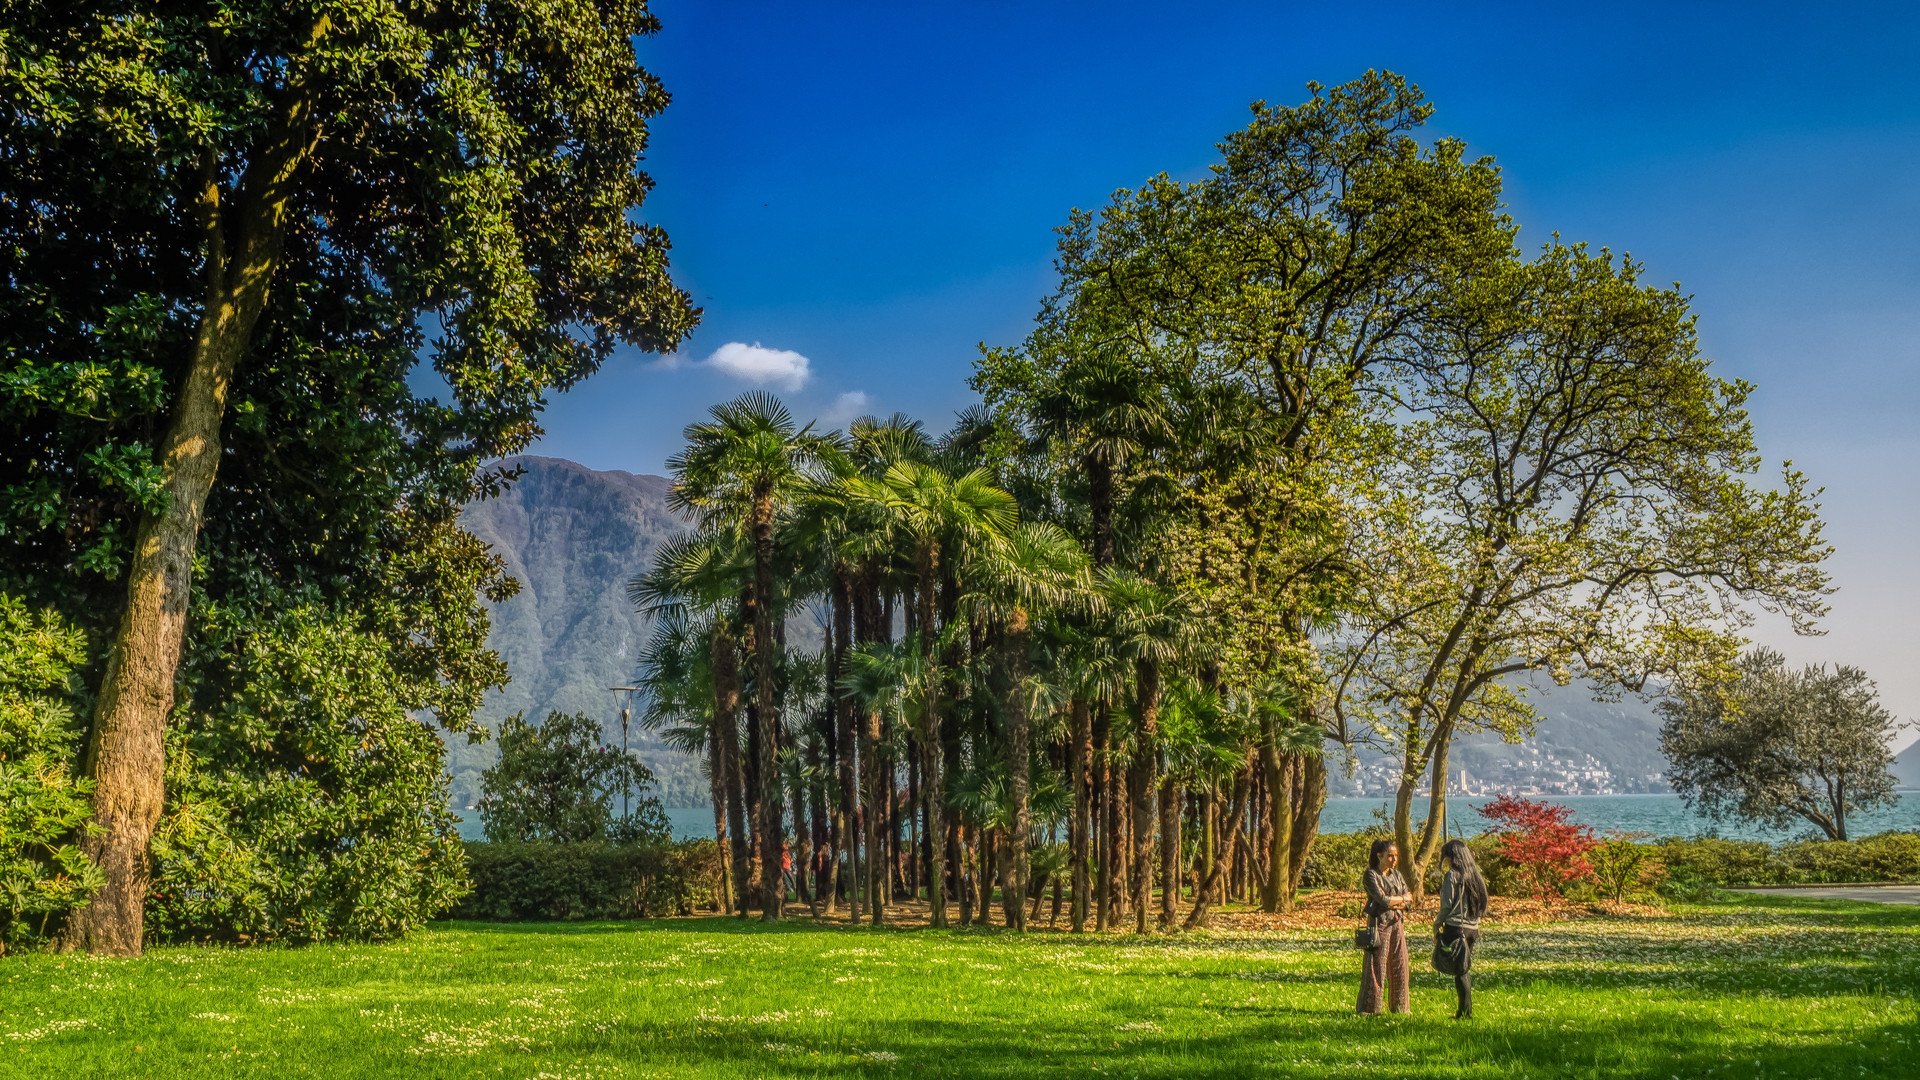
[(1415, 857), (1100, 504), (1121, 841), (766, 720), (1169, 851), (1018, 762), (726, 735), (1082, 770), (1203, 896), (802, 849), (1310, 791), (1102, 765), (1145, 785), (930, 741), (717, 779), (875, 856), (1278, 811), (126, 747)]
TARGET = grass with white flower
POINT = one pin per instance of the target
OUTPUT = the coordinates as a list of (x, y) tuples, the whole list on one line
[(1754, 987)]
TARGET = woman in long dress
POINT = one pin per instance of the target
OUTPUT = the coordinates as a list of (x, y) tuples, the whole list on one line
[(1387, 903)]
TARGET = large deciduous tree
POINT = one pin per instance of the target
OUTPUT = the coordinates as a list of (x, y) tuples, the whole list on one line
[(229, 232), (1569, 491)]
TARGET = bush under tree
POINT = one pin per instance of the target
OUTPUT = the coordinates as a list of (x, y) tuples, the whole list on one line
[(556, 783)]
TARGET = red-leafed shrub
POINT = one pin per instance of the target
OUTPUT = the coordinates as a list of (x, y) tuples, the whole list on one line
[(1548, 852)]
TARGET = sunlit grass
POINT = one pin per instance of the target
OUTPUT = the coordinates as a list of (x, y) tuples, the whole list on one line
[(1753, 987)]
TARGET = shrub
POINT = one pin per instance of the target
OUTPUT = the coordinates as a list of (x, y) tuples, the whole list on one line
[(540, 882), (1547, 851), (1338, 860), (308, 803), (1885, 857), (1623, 867), (43, 874)]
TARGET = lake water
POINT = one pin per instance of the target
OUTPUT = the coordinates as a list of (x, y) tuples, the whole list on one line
[(1661, 815)]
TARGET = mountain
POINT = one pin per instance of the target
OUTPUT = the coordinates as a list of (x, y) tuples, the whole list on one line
[(574, 537), (1906, 767), (1581, 747)]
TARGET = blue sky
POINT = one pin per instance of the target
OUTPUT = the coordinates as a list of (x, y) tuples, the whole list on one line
[(874, 187)]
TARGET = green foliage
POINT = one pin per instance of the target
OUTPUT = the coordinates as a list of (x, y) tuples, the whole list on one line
[(543, 882), (42, 807), (1778, 746), (1621, 867), (556, 783), (310, 803), (1884, 857)]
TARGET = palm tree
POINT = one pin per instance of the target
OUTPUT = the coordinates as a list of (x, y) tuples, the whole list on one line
[(1153, 628), (937, 511), (1039, 567), (700, 577), (742, 468)]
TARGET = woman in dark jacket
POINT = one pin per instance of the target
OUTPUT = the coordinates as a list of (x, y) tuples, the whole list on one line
[(1463, 900), (1387, 902)]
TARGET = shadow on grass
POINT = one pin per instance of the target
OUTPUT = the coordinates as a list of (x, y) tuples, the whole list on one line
[(1290, 1042)]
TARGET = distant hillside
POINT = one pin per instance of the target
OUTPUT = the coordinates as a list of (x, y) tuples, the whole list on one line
[(574, 537), (1906, 767), (1582, 747)]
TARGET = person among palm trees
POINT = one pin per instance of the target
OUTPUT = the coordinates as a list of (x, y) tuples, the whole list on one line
[(1387, 902), (1463, 900)]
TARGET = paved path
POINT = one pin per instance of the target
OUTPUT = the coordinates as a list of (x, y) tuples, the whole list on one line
[(1872, 894)]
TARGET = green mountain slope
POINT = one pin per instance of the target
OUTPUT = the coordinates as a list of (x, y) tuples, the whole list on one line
[(574, 537)]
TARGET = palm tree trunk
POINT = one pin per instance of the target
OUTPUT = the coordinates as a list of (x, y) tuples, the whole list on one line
[(717, 778), (1169, 851), (726, 736), (1146, 787), (766, 719), (930, 741), (1018, 761), (1103, 753), (1082, 808), (1203, 897)]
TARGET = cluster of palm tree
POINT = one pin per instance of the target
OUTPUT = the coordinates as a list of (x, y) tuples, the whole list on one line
[(922, 668)]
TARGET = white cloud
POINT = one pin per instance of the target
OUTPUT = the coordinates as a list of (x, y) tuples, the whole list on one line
[(758, 364), (847, 406)]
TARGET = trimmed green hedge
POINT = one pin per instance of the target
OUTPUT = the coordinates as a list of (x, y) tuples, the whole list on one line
[(558, 882), (1883, 857), (1338, 860)]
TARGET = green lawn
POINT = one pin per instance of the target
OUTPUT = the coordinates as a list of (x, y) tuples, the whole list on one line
[(1754, 987)]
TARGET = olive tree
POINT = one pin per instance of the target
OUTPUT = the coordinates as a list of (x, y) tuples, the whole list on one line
[(1774, 744)]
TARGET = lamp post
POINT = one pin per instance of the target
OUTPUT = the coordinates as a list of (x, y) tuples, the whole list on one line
[(626, 718)]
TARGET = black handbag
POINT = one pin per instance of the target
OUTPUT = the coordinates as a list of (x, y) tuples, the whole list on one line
[(1452, 958), (1367, 937)]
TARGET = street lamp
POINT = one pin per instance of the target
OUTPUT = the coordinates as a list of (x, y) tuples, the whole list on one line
[(626, 768)]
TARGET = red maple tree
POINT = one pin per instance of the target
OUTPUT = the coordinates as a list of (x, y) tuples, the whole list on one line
[(1548, 852)]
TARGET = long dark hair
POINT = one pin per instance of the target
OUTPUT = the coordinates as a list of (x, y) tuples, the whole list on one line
[(1380, 847), (1472, 886)]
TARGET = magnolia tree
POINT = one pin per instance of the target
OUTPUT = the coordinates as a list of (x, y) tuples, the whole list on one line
[(1568, 490)]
